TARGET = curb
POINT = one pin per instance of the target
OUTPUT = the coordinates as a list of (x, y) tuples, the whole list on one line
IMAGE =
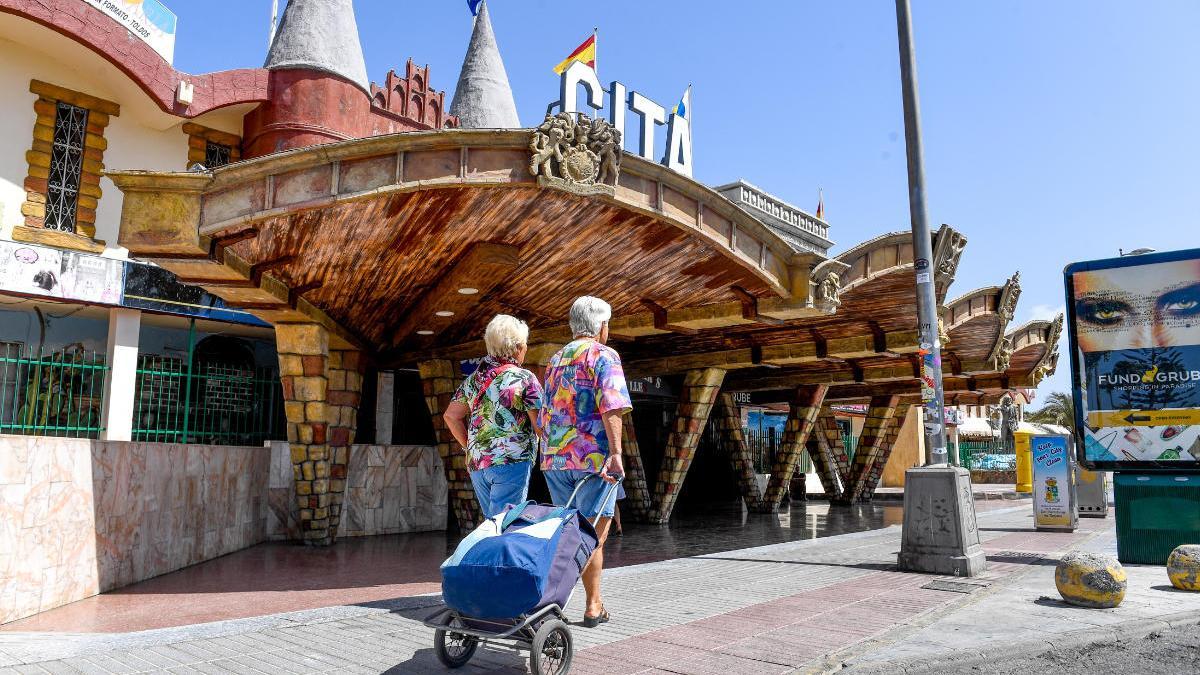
[(963, 659)]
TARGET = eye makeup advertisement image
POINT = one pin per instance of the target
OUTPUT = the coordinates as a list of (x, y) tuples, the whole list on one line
[(1134, 340)]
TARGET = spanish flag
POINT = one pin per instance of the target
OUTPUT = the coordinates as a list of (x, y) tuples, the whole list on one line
[(820, 205), (585, 52)]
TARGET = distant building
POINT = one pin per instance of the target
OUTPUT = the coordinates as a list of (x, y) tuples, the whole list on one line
[(801, 229)]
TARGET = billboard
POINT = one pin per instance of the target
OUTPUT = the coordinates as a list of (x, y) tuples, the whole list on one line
[(1134, 336), (149, 20), (1053, 485), (66, 275)]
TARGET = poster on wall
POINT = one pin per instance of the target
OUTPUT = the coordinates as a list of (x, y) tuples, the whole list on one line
[(1053, 488), (38, 270), (148, 20), (1134, 340)]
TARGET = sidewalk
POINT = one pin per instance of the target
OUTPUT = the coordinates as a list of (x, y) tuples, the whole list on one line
[(807, 606)]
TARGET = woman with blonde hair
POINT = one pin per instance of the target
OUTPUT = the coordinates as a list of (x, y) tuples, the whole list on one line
[(494, 416)]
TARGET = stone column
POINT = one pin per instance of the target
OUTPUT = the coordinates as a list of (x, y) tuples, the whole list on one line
[(303, 351), (824, 464), (870, 443), (802, 417), (120, 380), (344, 373), (867, 493), (439, 380), (830, 434), (700, 388), (734, 440), (637, 492)]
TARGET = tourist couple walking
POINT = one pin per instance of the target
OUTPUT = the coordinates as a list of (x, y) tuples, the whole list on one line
[(500, 412)]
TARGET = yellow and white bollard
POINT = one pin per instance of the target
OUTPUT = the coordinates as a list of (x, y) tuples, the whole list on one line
[(1183, 567), (1090, 580)]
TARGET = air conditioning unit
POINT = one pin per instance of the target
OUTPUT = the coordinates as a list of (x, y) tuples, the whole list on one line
[(1155, 513)]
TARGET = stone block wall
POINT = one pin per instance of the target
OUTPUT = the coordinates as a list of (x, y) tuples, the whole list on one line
[(390, 489), (80, 517)]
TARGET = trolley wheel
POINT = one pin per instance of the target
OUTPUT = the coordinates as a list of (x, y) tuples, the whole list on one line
[(552, 649), (454, 650)]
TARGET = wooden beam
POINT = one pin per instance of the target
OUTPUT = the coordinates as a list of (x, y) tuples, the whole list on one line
[(218, 244), (258, 269), (296, 292), (661, 320)]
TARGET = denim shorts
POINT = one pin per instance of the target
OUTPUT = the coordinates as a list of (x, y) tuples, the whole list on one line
[(563, 481), (500, 485)]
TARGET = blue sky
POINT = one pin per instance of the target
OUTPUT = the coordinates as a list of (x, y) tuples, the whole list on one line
[(1054, 131)]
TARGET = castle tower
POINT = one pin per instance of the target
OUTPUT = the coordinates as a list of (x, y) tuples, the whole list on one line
[(483, 98), (319, 90)]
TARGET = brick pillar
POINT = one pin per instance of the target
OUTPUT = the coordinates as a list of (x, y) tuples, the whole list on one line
[(439, 380), (734, 440), (802, 417), (344, 372), (700, 388), (870, 444), (867, 493), (637, 492), (824, 463), (830, 435), (303, 351)]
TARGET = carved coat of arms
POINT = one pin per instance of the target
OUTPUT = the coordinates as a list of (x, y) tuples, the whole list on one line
[(575, 153)]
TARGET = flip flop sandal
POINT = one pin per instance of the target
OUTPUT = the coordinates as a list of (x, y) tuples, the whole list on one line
[(593, 621)]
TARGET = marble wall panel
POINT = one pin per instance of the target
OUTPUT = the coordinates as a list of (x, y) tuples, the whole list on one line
[(47, 525), (79, 517), (391, 489)]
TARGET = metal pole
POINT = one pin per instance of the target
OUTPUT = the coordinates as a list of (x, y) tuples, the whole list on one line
[(931, 368)]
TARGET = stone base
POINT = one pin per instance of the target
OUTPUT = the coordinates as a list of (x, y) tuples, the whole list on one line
[(940, 532)]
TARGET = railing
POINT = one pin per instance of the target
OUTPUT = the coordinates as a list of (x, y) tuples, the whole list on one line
[(994, 455), (56, 394), (763, 446), (181, 401)]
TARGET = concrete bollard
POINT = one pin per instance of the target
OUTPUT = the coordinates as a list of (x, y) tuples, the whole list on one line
[(1090, 580), (1183, 567)]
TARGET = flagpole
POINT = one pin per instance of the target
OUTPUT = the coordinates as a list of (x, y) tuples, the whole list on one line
[(274, 22), (596, 51)]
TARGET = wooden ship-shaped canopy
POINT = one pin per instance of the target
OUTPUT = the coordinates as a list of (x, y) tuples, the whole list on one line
[(400, 248)]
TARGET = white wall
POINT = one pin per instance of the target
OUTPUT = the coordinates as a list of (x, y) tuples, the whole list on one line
[(141, 137)]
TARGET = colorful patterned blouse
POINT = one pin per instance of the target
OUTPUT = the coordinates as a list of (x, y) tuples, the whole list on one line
[(584, 380), (498, 428)]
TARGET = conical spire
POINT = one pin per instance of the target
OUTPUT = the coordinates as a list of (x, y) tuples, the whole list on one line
[(320, 35), (483, 99)]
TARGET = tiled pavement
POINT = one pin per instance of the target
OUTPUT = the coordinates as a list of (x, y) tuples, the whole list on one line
[(770, 609)]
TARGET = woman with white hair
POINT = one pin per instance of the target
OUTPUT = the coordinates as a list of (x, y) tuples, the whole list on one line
[(585, 398), (502, 401)]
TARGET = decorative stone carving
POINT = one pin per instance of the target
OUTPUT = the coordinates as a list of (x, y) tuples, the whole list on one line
[(1049, 362), (571, 152), (1002, 356), (1009, 295), (943, 334), (828, 291), (948, 245)]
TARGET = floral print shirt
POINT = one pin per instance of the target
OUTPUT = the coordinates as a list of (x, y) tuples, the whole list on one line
[(584, 380), (499, 430)]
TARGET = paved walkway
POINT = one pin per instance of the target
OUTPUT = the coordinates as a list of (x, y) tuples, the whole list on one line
[(801, 606)]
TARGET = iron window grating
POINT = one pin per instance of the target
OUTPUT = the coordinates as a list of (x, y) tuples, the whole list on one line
[(66, 167), (216, 154)]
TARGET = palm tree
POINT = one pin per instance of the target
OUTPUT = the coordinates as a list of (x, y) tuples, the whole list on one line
[(1058, 409)]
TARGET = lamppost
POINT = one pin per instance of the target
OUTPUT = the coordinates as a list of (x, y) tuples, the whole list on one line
[(940, 533)]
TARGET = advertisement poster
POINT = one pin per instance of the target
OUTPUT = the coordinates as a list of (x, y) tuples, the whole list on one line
[(39, 270), (1135, 353), (1052, 487), (149, 20)]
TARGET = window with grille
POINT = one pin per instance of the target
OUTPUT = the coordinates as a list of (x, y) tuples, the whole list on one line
[(216, 155), (66, 167)]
